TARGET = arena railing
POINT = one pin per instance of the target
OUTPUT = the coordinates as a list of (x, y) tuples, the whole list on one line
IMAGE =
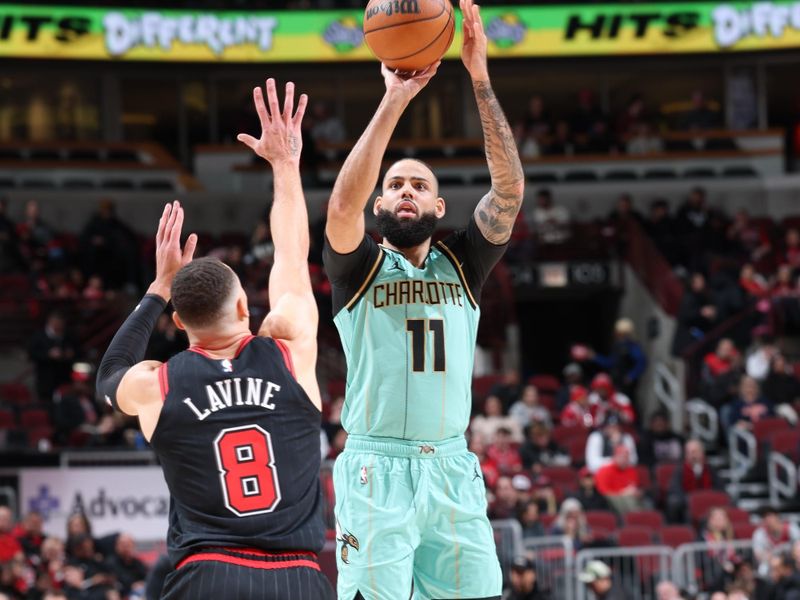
[(508, 538), (703, 421), (782, 475), (636, 569), (554, 557), (669, 392), (743, 456), (699, 566)]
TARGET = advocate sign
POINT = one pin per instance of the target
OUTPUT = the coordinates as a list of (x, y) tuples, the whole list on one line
[(132, 499), (303, 36)]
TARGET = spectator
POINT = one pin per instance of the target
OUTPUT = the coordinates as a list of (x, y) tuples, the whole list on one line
[(532, 132), (493, 419), (540, 448), (109, 249), (527, 409), (702, 114), (587, 493), (503, 453), (749, 240), (528, 517), (74, 407), (694, 474), (697, 314), (508, 389), (542, 490), (791, 250), (754, 285), (784, 584), (524, 582), (785, 301), (166, 340), (750, 407), (551, 222), (52, 351), (781, 385), (771, 534), (659, 443), (156, 577), (721, 373), (34, 234), (602, 443), (130, 572), (693, 217), (561, 143), (326, 128), (96, 575), (644, 141), (620, 221), (760, 353), (718, 532), (489, 470), (626, 363), (618, 481), (573, 375), (631, 120), (666, 590), (571, 522), (598, 579), (30, 534), (506, 497), (585, 116), (579, 412), (660, 226), (610, 400), (744, 579), (10, 547)]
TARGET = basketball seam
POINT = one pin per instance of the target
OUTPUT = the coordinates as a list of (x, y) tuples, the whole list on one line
[(431, 43), (436, 16)]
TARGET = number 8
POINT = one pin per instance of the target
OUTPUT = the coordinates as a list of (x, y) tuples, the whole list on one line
[(247, 470)]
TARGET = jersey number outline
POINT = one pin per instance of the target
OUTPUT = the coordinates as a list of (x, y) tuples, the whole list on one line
[(247, 470), (417, 329)]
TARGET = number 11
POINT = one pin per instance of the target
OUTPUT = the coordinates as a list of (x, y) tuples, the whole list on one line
[(417, 329)]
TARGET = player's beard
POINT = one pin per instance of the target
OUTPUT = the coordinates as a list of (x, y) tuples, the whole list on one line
[(405, 233)]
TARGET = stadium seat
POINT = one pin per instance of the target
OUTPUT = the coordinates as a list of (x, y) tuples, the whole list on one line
[(601, 519), (37, 435), (78, 184), (651, 519), (547, 520), (6, 182), (562, 475), (482, 385), (786, 442), (15, 393), (737, 515), (644, 477), (580, 176), (700, 502), (545, 383), (620, 176), (679, 146), (699, 173), (44, 154), (664, 473), (676, 535), (120, 155), (38, 184), (336, 388), (7, 420), (117, 184), (84, 155), (32, 418), (660, 174), (739, 172), (542, 177), (743, 531), (562, 433), (576, 448), (634, 536), (158, 185), (721, 143), (766, 428)]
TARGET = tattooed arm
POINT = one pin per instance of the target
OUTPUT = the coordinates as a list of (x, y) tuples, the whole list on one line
[(497, 210)]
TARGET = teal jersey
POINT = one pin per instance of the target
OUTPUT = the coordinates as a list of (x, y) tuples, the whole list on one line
[(409, 335)]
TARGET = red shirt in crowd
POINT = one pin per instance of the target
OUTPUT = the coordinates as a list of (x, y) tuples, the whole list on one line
[(610, 480), (507, 460), (9, 547)]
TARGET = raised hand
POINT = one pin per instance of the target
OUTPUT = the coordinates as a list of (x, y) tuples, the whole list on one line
[(473, 48), (409, 84), (169, 256), (281, 139)]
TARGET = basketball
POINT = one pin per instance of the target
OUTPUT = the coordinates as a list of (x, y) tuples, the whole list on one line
[(409, 35)]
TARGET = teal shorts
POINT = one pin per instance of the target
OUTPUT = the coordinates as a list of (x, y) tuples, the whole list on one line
[(413, 512)]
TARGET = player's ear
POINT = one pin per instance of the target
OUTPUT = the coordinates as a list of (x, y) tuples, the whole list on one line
[(376, 206), (242, 312), (177, 320), (439, 208)]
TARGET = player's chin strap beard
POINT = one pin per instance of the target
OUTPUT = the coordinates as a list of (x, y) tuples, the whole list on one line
[(405, 233)]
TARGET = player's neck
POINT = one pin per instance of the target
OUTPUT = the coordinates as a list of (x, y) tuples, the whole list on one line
[(219, 343), (416, 255)]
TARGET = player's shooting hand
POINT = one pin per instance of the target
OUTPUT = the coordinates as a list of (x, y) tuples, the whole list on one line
[(474, 46), (408, 85), (281, 138), (169, 256)]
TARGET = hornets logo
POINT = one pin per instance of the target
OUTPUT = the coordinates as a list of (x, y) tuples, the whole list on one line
[(348, 541)]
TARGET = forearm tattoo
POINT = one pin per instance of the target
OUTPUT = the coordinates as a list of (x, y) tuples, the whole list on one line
[(498, 209)]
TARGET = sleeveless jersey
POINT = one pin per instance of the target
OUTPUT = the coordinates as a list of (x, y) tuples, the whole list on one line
[(238, 440), (409, 335)]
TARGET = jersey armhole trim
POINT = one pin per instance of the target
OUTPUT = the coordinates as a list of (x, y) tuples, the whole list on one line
[(373, 272), (454, 261), (163, 381), (287, 356)]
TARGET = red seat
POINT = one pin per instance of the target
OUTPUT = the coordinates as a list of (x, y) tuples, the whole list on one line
[(737, 515), (482, 385), (644, 477), (650, 519), (562, 433), (7, 420), (336, 388), (664, 473), (15, 393), (576, 448), (547, 520), (635, 536), (676, 535), (39, 434), (33, 418), (601, 519), (549, 402), (743, 531), (545, 383), (701, 501), (766, 428), (562, 475), (786, 442)]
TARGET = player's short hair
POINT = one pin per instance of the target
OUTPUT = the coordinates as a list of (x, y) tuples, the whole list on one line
[(382, 180), (200, 291)]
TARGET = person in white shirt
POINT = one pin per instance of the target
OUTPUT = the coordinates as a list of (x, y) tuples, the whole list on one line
[(527, 409), (601, 443)]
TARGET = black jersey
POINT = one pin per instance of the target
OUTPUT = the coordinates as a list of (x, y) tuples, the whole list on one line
[(239, 443)]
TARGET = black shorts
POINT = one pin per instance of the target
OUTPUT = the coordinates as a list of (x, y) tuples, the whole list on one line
[(247, 574)]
